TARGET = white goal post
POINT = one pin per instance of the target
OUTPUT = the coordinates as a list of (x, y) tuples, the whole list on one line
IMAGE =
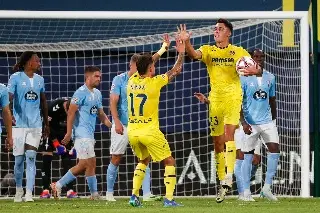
[(270, 15)]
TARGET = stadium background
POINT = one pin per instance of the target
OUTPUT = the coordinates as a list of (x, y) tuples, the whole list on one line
[(183, 131)]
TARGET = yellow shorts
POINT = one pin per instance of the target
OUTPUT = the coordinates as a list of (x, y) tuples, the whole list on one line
[(153, 144), (223, 112)]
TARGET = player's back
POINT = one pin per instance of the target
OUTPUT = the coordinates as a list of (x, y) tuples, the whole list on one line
[(26, 102), (221, 66), (256, 94), (143, 102), (89, 103)]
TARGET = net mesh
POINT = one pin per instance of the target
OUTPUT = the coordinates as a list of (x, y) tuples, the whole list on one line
[(67, 46)]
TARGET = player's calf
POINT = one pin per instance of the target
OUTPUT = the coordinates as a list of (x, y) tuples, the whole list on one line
[(30, 173), (246, 172), (272, 164), (112, 174)]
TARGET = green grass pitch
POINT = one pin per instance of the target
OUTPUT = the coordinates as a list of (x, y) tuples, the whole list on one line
[(196, 205)]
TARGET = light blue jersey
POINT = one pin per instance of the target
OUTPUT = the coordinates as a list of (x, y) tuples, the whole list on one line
[(119, 87), (26, 102), (255, 104), (85, 120), (4, 97)]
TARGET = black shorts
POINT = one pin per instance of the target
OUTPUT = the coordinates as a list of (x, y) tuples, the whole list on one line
[(47, 146)]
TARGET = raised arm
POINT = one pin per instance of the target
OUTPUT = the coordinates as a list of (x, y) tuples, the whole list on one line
[(177, 68), (44, 108), (165, 46), (104, 118), (185, 36)]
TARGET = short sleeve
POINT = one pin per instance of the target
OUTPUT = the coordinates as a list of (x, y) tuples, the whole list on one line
[(272, 91), (42, 84), (116, 86), (204, 49), (4, 97), (12, 83), (77, 98), (161, 80)]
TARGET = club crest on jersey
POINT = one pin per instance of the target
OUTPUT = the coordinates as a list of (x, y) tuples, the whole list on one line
[(31, 96), (74, 100), (24, 84), (232, 52), (112, 87), (94, 110), (260, 95)]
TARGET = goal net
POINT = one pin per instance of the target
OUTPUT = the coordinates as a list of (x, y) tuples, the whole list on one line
[(66, 46)]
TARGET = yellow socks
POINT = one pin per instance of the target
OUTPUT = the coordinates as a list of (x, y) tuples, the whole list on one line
[(170, 181), (221, 165), (138, 178), (230, 156)]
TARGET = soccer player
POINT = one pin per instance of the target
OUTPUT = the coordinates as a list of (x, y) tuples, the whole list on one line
[(225, 95), (85, 106), (239, 138), (6, 115), (26, 89), (145, 137), (119, 135), (57, 110), (259, 120)]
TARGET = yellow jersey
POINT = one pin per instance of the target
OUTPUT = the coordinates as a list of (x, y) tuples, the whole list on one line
[(143, 101), (221, 66)]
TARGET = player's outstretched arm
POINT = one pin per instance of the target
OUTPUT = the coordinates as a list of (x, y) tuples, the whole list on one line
[(7, 119), (177, 68), (73, 108), (202, 98), (165, 46), (44, 108), (104, 118), (185, 36)]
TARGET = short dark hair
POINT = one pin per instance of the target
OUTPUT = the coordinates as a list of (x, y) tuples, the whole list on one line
[(143, 63), (23, 59), (91, 69), (135, 57), (226, 23), (256, 49)]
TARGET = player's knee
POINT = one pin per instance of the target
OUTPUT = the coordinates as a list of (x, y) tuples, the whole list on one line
[(218, 146), (170, 161), (116, 159), (239, 154), (256, 159), (229, 132), (273, 147)]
